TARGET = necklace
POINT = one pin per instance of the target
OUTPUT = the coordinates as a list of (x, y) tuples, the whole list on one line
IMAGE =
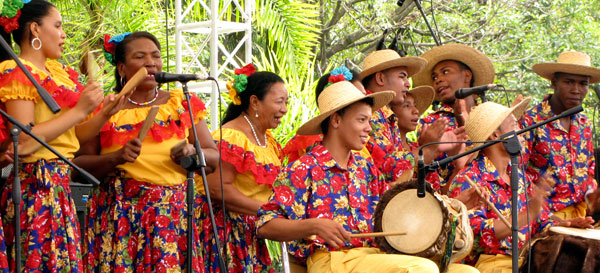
[(254, 132), (147, 102)]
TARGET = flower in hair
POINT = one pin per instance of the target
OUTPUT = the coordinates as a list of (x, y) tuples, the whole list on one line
[(11, 7), (110, 44), (239, 82), (10, 24), (233, 94), (339, 74)]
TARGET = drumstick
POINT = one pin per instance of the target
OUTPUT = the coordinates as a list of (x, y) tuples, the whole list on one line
[(377, 234), (137, 78), (488, 202), (365, 235), (148, 122)]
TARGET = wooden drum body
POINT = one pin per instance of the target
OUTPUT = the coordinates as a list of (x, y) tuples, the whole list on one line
[(434, 225), (563, 249)]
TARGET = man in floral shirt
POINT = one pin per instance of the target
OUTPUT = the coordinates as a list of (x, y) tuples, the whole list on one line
[(385, 70), (563, 149), (491, 170), (332, 192), (449, 68)]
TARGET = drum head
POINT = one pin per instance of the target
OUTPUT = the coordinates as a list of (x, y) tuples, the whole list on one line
[(580, 232), (420, 218)]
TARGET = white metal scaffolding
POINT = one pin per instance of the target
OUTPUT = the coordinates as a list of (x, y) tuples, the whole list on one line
[(197, 39)]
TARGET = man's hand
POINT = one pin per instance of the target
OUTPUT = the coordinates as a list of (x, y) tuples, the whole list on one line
[(330, 231)]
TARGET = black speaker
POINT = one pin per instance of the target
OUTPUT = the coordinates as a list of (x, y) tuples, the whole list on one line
[(80, 193)]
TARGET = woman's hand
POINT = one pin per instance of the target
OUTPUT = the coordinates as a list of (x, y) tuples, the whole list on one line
[(91, 96)]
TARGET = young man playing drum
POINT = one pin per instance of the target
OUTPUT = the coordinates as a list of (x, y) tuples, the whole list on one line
[(491, 170), (563, 149), (449, 68), (332, 192)]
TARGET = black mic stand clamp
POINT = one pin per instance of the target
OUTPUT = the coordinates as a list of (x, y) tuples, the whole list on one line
[(191, 164)]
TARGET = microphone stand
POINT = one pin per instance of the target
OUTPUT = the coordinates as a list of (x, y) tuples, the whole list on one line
[(191, 164), (513, 148), (435, 38), (15, 131)]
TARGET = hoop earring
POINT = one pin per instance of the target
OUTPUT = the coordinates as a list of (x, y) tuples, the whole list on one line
[(123, 81), (33, 43)]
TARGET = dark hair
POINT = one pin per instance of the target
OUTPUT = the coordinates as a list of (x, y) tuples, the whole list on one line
[(366, 80), (324, 80), (121, 49), (258, 85), (462, 66), (33, 11), (325, 123)]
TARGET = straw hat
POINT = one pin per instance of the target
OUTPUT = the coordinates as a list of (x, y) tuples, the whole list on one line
[(380, 60), (338, 96), (481, 66), (572, 62), (423, 97), (485, 118)]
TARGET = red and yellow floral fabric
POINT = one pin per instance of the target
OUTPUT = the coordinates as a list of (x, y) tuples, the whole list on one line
[(62, 84), (565, 154), (315, 186), (385, 145), (483, 172), (257, 167), (171, 125), (439, 177), (49, 228)]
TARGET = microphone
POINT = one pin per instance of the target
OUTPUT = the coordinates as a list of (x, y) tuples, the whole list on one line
[(164, 77), (477, 90), (421, 175)]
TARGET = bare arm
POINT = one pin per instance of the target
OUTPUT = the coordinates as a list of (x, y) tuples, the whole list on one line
[(98, 165), (280, 229), (209, 148), (90, 128), (235, 200), (24, 112)]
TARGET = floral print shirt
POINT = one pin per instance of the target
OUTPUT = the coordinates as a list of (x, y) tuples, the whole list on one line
[(566, 155), (483, 172), (385, 145), (315, 186), (439, 178)]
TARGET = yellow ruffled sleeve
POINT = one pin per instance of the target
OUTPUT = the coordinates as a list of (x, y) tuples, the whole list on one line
[(14, 84)]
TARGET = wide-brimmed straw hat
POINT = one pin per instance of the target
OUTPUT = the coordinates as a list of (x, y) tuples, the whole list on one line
[(383, 59), (481, 66), (572, 62), (423, 97), (485, 118), (336, 97)]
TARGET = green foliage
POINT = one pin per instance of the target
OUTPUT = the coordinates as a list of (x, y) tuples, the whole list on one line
[(289, 28), (302, 103)]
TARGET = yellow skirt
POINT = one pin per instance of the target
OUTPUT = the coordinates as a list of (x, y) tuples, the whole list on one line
[(368, 259)]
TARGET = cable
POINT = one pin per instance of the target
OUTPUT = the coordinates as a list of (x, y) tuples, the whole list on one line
[(225, 235), (435, 21)]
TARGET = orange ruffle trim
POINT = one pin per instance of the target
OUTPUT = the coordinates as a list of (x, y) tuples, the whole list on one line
[(172, 120), (64, 87)]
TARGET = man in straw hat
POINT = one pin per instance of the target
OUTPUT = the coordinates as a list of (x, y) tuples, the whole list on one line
[(490, 170), (563, 149), (449, 68), (331, 192), (386, 70)]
